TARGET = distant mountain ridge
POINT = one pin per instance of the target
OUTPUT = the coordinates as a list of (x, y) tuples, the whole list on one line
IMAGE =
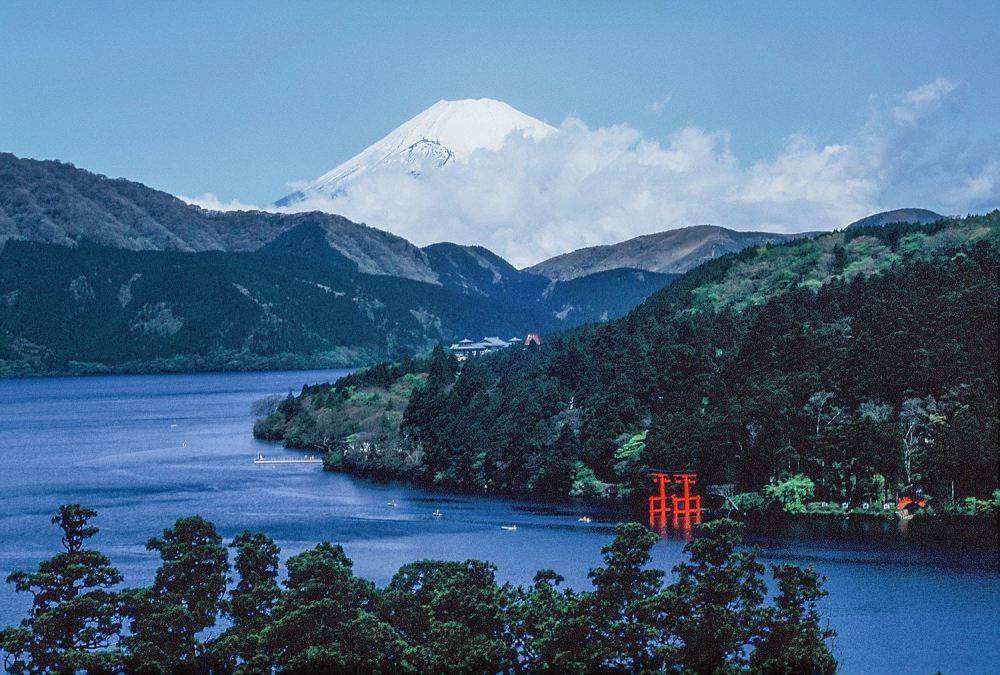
[(918, 216), (103, 275), (251, 289), (55, 202), (672, 251)]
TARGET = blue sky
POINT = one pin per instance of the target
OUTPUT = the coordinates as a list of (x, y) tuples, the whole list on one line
[(240, 98)]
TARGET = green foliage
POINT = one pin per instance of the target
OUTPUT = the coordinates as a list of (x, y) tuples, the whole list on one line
[(749, 501), (626, 605), (249, 605), (792, 639), (433, 616), (791, 493), (184, 599), (716, 600), (549, 626), (74, 615), (853, 359), (586, 484), (325, 620), (452, 615), (982, 507)]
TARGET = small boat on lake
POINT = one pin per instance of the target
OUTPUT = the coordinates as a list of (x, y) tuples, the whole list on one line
[(509, 528), (437, 513), (584, 519)]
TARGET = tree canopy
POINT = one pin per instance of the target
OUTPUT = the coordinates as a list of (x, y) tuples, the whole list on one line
[(433, 616)]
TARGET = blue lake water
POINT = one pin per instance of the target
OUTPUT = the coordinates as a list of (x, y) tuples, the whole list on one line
[(144, 450)]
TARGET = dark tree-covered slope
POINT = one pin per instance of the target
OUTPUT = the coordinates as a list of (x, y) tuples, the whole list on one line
[(294, 303), (921, 216), (100, 274), (862, 364)]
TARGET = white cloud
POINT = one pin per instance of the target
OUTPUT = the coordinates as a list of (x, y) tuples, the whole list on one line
[(918, 103), (212, 202), (660, 104), (532, 199)]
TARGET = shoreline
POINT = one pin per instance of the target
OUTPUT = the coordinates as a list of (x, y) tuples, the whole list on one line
[(950, 530)]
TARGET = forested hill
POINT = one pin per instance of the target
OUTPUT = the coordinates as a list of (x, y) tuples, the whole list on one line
[(848, 368), (108, 275), (93, 309)]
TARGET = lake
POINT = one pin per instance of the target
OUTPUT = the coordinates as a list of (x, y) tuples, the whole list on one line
[(145, 450)]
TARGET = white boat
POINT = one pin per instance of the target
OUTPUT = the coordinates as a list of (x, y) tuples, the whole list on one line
[(392, 502), (509, 528), (584, 519), (437, 513)]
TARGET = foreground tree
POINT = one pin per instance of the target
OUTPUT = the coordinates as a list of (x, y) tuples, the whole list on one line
[(792, 638), (433, 616), (715, 603), (550, 626), (240, 649), (453, 616), (183, 600), (626, 605), (74, 615), (326, 622)]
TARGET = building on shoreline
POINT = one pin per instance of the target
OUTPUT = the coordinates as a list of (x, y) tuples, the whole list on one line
[(465, 349)]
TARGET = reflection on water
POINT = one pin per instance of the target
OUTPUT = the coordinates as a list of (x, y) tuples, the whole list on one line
[(674, 501), (145, 450), (674, 526)]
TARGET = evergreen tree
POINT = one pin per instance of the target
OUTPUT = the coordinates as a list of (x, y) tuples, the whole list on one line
[(184, 599), (792, 639), (74, 616), (325, 620), (714, 605), (550, 626), (626, 606), (453, 616), (250, 604)]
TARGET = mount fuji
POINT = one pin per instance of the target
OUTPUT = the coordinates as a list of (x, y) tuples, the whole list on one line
[(445, 133)]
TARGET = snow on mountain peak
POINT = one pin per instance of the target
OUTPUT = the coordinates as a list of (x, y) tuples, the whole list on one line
[(446, 132)]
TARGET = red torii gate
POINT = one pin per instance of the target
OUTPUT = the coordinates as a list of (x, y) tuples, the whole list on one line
[(685, 507)]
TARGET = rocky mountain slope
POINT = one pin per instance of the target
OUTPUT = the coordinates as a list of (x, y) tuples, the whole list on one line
[(673, 251), (55, 202)]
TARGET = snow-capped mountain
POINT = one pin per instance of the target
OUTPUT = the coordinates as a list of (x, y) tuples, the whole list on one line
[(448, 131)]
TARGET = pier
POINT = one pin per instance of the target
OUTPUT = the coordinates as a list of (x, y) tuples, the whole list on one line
[(309, 459)]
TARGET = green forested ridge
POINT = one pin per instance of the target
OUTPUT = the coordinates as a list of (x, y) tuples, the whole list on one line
[(108, 275), (295, 303), (433, 616), (848, 368)]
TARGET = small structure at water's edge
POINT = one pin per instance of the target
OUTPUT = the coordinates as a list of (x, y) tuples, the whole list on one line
[(673, 495), (308, 459)]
